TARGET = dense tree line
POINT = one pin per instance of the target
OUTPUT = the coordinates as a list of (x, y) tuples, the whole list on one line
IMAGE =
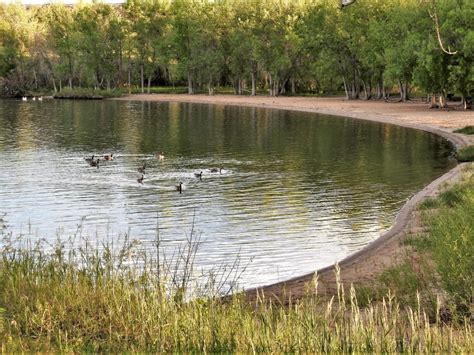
[(368, 49)]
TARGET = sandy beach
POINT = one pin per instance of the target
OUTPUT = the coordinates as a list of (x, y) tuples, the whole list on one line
[(363, 267)]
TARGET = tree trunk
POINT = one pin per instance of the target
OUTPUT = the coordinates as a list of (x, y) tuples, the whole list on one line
[(293, 86), (464, 102), (442, 101), (148, 84), (254, 86), (54, 84), (142, 78), (270, 85), (70, 72), (190, 84), (400, 85), (379, 90), (345, 87), (364, 86), (210, 86), (282, 88), (60, 85), (129, 78)]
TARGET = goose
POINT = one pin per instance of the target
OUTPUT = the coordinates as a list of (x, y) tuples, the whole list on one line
[(95, 163), (215, 170), (198, 175), (24, 98), (345, 3), (179, 187), (90, 159), (109, 156), (140, 180), (141, 169), (160, 156), (40, 98), (33, 98)]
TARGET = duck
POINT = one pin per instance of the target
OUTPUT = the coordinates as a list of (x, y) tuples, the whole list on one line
[(33, 98), (141, 169), (90, 159), (24, 98), (95, 163), (109, 156), (160, 156), (40, 98), (198, 175), (215, 170), (140, 179), (179, 187)]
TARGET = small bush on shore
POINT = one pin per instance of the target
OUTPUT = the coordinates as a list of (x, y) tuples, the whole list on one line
[(465, 130), (466, 154)]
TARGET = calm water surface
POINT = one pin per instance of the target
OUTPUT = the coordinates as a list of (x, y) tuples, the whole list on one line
[(298, 191)]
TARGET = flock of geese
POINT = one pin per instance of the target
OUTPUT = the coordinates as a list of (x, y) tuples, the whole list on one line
[(142, 169), (34, 98)]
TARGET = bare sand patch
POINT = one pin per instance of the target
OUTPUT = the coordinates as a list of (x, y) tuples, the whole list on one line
[(363, 267)]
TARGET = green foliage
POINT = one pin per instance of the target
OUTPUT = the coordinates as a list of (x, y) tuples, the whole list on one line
[(449, 243), (465, 130), (465, 154), (429, 203), (452, 243), (253, 46)]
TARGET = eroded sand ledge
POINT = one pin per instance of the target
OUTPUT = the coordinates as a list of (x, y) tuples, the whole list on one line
[(362, 267)]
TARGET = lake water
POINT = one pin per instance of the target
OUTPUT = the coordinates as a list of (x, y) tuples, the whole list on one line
[(297, 192)]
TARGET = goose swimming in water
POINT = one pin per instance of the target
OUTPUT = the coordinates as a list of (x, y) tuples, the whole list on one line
[(89, 159), (24, 98), (109, 156), (215, 170), (160, 156), (198, 175), (140, 180), (141, 169), (95, 163), (179, 187)]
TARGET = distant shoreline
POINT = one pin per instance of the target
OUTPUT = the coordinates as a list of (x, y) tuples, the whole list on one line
[(363, 266)]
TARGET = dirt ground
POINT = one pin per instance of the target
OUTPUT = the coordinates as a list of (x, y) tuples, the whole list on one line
[(363, 267)]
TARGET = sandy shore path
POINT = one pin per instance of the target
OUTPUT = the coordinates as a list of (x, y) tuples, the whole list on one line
[(363, 267)]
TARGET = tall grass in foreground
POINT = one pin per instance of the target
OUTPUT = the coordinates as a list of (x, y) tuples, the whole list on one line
[(49, 303), (91, 299)]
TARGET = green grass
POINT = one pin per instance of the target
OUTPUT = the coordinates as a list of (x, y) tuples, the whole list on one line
[(465, 154), (50, 304), (465, 130), (442, 259)]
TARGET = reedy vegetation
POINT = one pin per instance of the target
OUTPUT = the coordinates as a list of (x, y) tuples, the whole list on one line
[(304, 46), (90, 299)]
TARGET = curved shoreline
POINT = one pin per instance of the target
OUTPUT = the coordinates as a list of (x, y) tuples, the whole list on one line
[(364, 265)]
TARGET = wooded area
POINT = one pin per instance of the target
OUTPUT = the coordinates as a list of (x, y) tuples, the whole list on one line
[(367, 49)]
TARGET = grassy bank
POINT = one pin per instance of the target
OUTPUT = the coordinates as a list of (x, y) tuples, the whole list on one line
[(93, 299), (440, 260)]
